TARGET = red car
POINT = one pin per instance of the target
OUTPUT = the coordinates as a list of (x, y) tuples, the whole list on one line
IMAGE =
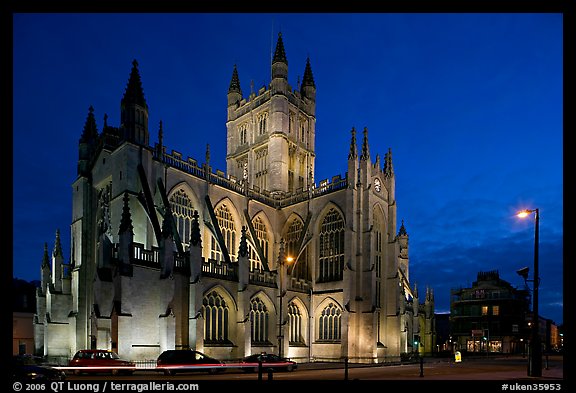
[(100, 361), (269, 361)]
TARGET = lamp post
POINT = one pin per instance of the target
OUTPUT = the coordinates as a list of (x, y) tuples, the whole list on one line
[(283, 261), (535, 361)]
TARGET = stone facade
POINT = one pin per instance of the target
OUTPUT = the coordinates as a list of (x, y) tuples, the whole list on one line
[(167, 254)]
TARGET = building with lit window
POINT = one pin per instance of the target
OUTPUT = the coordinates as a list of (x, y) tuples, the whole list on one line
[(166, 253), (490, 316)]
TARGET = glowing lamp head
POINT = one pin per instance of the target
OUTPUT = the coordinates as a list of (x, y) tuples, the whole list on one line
[(523, 213), (289, 259)]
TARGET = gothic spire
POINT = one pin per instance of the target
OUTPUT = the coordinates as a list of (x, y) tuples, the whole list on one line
[(353, 154), (365, 150), (279, 53), (308, 79), (46, 257), (402, 230), (235, 82), (126, 219), (90, 132), (388, 168), (57, 245), (134, 93)]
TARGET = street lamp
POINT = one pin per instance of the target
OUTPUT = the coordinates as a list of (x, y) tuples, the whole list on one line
[(283, 261), (535, 361)]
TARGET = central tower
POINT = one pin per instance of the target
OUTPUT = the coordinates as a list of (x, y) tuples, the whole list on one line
[(270, 135)]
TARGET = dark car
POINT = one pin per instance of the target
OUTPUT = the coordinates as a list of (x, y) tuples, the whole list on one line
[(100, 361), (26, 368), (269, 362), (186, 360)]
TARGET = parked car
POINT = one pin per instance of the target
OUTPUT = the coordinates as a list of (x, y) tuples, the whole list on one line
[(28, 368), (186, 360), (269, 362), (100, 361)]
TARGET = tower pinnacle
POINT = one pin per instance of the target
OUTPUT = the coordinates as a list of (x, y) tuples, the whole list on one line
[(353, 154)]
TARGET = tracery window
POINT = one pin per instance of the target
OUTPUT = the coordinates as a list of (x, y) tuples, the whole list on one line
[(331, 247), (259, 317), (228, 230), (261, 168), (295, 324), (262, 239), (182, 211), (300, 269), (329, 323), (262, 120), (216, 318), (243, 133)]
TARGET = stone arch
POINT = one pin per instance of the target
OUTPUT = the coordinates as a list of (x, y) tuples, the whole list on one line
[(324, 303), (289, 220), (223, 292), (191, 194), (320, 217), (266, 299)]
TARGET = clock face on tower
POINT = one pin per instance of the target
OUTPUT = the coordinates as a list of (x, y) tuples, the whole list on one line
[(377, 185)]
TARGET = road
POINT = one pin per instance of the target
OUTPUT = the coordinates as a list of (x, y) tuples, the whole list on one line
[(501, 368)]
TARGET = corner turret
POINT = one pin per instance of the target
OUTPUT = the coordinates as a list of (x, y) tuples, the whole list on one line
[(308, 88), (279, 82)]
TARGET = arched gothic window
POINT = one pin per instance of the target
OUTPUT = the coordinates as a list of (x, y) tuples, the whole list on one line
[(262, 238), (182, 211), (243, 134), (295, 324), (329, 323), (259, 317), (331, 247), (300, 269), (216, 315), (262, 120), (226, 224)]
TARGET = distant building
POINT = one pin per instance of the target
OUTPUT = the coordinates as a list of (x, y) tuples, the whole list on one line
[(166, 253), (490, 316), (552, 342), (23, 310)]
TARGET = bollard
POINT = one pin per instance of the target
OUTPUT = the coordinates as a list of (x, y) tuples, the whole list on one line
[(346, 368), (259, 370), (421, 366), (546, 361), (270, 376)]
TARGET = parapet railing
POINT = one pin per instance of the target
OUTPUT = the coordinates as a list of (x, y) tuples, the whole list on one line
[(276, 200)]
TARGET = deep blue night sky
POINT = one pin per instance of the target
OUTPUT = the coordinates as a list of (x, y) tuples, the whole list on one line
[(470, 104)]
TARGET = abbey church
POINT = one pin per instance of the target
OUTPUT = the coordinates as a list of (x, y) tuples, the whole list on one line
[(168, 254)]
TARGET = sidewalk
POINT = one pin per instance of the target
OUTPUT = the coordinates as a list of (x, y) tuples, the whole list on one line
[(512, 369)]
